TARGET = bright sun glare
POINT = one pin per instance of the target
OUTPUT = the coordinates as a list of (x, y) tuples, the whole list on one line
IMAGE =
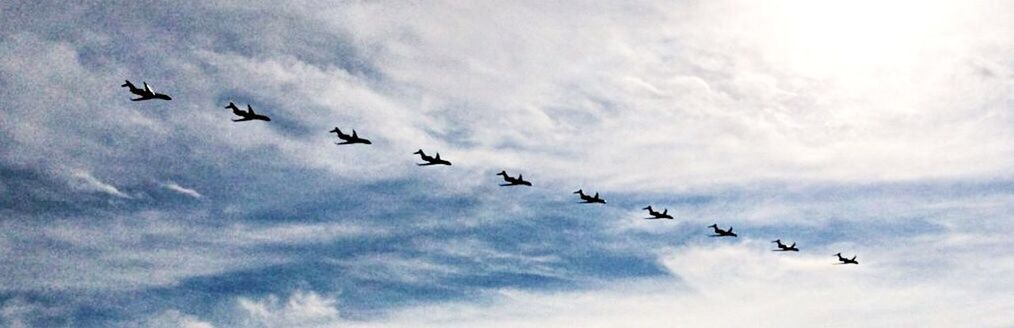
[(831, 38)]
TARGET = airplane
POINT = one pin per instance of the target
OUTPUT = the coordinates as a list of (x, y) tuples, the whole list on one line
[(590, 199), (519, 181), (722, 233), (353, 139), (783, 248), (658, 215), (248, 115), (146, 94), (845, 260), (430, 160)]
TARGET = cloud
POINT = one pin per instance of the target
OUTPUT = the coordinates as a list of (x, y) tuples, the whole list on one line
[(19, 312), (784, 118), (608, 91), (174, 319), (726, 285), (301, 309), (84, 181), (183, 190)]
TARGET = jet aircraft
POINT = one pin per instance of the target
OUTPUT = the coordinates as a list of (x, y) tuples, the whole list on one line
[(589, 199), (146, 94), (349, 139), (722, 233), (658, 215), (247, 115), (430, 160), (511, 181)]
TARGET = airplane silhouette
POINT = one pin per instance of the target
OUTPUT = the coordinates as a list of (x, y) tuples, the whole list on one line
[(722, 233), (783, 248), (845, 260), (430, 160), (353, 139), (146, 94), (248, 115), (589, 199), (519, 181), (658, 215)]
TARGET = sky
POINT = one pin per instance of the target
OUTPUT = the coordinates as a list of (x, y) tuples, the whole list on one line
[(880, 129)]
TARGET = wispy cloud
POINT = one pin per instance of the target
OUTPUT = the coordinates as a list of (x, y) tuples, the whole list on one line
[(728, 285), (84, 181), (183, 190)]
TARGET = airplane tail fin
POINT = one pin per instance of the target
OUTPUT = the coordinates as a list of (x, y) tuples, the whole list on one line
[(126, 83)]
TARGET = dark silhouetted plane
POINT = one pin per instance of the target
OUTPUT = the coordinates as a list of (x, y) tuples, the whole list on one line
[(783, 248), (658, 215), (590, 199), (519, 181), (349, 139), (430, 160), (248, 115), (845, 260), (146, 93), (722, 233)]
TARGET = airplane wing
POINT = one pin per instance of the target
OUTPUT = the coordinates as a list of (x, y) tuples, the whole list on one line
[(249, 109), (354, 135), (148, 88)]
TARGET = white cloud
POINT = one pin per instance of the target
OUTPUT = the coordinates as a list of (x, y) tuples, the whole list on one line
[(636, 96), (181, 189), (931, 281), (146, 249), (18, 312), (174, 319), (84, 181), (301, 309)]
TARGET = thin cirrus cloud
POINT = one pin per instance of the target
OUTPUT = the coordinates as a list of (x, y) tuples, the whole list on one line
[(84, 181), (182, 190)]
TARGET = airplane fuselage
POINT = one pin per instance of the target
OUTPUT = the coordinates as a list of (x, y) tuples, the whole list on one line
[(431, 160), (722, 233), (512, 181), (251, 117)]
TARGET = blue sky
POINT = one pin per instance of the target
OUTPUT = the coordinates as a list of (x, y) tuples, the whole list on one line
[(877, 129)]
